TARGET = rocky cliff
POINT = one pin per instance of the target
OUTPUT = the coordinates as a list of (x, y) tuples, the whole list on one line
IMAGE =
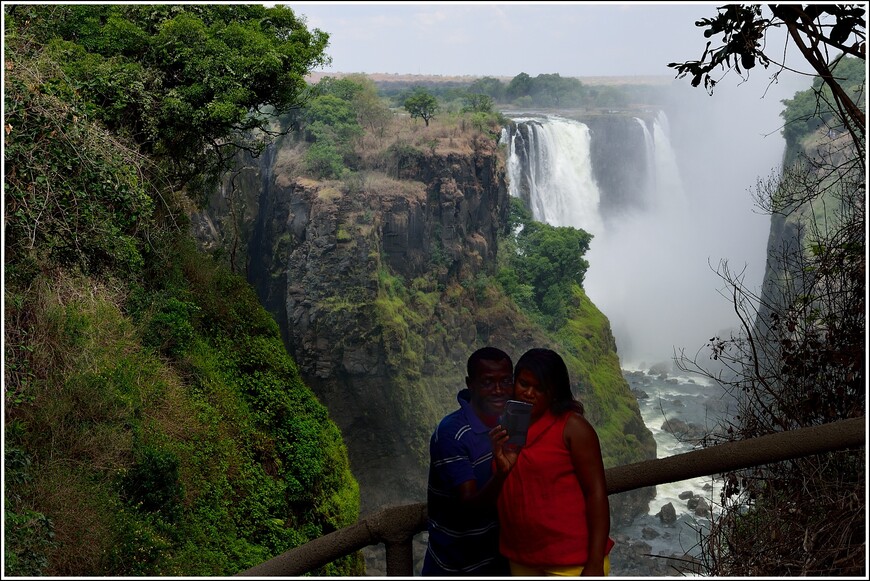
[(380, 287)]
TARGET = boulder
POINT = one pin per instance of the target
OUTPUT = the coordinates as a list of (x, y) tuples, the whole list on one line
[(649, 533), (667, 514)]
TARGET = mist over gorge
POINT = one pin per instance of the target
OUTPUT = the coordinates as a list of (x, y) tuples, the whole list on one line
[(668, 193)]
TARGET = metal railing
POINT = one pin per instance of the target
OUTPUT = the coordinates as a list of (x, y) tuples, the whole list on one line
[(395, 527)]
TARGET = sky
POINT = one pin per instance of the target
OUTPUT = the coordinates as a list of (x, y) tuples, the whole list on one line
[(503, 39)]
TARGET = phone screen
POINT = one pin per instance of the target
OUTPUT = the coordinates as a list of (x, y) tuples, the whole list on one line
[(516, 419)]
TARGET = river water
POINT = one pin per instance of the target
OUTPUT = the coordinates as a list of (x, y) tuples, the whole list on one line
[(664, 396)]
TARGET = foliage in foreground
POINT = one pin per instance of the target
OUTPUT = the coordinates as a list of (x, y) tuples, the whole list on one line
[(800, 361), (154, 423), (800, 357), (160, 428)]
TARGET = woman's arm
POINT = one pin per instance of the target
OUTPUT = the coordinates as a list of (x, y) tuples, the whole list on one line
[(585, 450)]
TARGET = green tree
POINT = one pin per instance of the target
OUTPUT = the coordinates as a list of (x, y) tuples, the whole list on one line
[(553, 90), (191, 84), (362, 95), (477, 103), (488, 86), (543, 264), (519, 86), (813, 108), (421, 103)]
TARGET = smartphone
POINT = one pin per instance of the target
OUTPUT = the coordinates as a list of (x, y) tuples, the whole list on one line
[(515, 419)]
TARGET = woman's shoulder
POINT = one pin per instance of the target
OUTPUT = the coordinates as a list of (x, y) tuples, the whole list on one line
[(577, 425)]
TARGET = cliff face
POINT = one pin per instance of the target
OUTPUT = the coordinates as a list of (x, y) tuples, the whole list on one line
[(378, 288)]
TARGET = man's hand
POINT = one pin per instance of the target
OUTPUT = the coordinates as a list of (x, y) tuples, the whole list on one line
[(505, 456)]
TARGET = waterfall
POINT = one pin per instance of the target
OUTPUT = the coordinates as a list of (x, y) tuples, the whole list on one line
[(557, 174), (668, 185), (659, 230), (649, 186), (635, 254)]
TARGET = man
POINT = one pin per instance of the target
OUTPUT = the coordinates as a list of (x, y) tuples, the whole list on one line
[(463, 520)]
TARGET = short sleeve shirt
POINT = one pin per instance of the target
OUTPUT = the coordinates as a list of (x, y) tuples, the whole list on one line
[(462, 540)]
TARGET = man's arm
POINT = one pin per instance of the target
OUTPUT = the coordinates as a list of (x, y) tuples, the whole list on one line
[(473, 497)]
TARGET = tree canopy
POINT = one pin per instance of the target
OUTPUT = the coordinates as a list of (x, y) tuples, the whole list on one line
[(421, 103), (185, 82), (543, 264)]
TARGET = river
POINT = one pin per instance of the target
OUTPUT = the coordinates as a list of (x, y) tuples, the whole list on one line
[(664, 396)]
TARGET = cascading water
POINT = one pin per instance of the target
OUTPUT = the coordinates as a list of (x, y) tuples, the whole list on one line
[(668, 185), (558, 173), (648, 186), (639, 245), (550, 166)]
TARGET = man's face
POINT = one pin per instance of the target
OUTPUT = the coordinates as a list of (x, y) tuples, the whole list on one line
[(491, 386)]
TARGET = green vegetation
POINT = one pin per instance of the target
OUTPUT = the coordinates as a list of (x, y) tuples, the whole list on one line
[(155, 425), (544, 90), (191, 84), (541, 264), (420, 103), (161, 429), (590, 353), (815, 108), (542, 270)]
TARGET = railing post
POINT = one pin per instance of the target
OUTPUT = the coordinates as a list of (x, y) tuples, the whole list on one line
[(396, 526), (400, 558)]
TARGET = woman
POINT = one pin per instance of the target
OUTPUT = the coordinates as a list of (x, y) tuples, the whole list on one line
[(553, 507)]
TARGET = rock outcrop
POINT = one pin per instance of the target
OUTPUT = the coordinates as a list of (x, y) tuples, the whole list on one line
[(378, 287)]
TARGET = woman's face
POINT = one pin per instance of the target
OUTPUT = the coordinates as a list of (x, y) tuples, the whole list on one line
[(528, 388)]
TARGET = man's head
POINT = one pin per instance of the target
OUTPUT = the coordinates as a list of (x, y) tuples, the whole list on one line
[(490, 381)]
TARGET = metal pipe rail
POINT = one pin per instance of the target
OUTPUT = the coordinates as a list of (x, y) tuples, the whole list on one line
[(395, 527)]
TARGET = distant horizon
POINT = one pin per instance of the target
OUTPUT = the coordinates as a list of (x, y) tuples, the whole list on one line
[(385, 76)]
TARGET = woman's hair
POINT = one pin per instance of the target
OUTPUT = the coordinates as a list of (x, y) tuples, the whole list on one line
[(550, 369)]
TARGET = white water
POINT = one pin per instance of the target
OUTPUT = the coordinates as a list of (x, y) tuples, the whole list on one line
[(562, 189), (653, 271)]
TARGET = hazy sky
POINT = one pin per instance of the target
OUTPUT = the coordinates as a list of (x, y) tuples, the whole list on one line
[(507, 38)]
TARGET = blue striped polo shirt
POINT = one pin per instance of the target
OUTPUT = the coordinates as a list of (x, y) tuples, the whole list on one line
[(462, 540)]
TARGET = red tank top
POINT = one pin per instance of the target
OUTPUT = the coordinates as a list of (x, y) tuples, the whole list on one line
[(541, 507)]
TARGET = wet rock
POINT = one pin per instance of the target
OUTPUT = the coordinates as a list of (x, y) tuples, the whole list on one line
[(684, 431), (649, 533), (667, 514), (686, 494), (703, 509)]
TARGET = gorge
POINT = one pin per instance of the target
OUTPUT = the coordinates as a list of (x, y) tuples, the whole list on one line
[(380, 289)]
